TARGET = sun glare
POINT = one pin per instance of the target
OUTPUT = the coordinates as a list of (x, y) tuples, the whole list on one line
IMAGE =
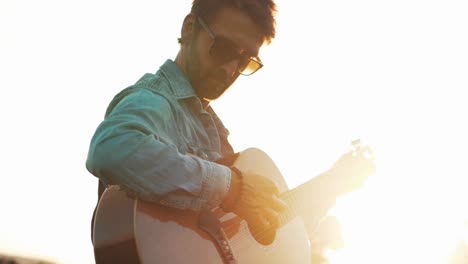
[(403, 215), (394, 70)]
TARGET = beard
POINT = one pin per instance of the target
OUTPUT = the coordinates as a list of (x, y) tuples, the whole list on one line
[(210, 86), (207, 86)]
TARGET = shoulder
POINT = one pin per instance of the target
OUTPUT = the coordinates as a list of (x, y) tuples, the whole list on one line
[(140, 98), (150, 89)]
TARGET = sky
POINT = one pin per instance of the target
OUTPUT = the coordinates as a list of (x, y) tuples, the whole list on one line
[(392, 73)]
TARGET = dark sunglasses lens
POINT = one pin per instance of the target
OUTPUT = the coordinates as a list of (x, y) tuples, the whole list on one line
[(244, 63), (223, 51)]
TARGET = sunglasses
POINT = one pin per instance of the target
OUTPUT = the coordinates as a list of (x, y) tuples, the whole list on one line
[(223, 50)]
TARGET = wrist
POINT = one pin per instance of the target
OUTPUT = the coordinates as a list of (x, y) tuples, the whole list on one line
[(235, 188)]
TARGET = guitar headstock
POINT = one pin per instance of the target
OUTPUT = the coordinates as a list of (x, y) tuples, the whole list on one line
[(354, 167), (359, 149)]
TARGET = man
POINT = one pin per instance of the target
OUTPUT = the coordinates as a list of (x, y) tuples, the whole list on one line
[(160, 137)]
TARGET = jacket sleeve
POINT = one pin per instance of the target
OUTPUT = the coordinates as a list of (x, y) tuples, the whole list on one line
[(134, 148)]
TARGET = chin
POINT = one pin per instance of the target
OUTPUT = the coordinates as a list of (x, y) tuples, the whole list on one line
[(212, 94), (211, 98)]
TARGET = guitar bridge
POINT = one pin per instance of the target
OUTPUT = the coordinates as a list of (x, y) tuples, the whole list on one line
[(210, 223)]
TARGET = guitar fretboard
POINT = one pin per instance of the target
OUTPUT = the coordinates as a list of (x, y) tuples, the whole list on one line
[(306, 200)]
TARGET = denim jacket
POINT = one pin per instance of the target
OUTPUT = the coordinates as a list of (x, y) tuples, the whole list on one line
[(158, 142)]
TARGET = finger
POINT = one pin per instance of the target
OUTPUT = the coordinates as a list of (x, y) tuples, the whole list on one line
[(367, 150), (369, 154), (278, 204), (275, 191), (259, 222), (272, 217), (272, 187)]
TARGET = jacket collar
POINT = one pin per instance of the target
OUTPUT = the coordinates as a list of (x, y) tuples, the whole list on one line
[(180, 86)]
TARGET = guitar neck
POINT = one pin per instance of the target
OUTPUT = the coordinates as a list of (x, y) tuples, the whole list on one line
[(308, 200)]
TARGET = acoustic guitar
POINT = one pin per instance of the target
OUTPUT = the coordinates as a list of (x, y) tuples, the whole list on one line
[(130, 230)]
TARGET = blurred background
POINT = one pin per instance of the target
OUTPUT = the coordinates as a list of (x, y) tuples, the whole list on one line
[(392, 73)]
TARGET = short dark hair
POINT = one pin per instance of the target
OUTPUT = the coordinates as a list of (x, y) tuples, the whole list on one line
[(262, 12)]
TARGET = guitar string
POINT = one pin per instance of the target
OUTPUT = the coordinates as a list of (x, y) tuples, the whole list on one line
[(295, 202), (232, 227), (291, 210), (244, 230), (241, 246), (244, 233), (294, 205), (242, 227)]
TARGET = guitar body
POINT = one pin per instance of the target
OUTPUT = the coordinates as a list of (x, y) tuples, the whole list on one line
[(128, 230)]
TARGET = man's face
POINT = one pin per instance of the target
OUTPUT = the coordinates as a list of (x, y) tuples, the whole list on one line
[(209, 77)]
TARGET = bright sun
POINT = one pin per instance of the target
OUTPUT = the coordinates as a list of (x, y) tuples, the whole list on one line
[(405, 214), (395, 70)]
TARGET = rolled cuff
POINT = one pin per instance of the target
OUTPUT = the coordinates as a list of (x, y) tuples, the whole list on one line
[(215, 184)]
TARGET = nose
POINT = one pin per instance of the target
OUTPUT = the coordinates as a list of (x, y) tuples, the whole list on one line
[(230, 68)]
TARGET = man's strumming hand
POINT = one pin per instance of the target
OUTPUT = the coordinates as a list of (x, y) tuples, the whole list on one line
[(255, 199)]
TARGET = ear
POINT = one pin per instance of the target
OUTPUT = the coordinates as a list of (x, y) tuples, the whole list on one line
[(188, 28)]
